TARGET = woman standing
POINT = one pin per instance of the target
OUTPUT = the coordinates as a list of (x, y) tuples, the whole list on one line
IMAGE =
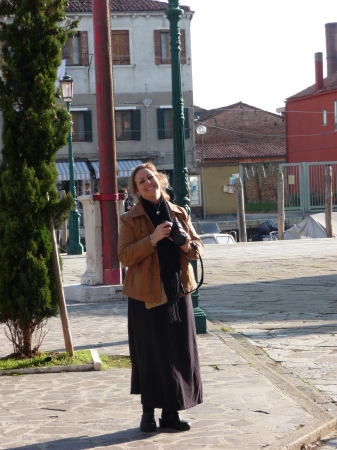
[(162, 337)]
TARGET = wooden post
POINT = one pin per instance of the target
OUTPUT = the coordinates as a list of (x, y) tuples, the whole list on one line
[(328, 201), (107, 150), (64, 239), (62, 302), (240, 208), (280, 201)]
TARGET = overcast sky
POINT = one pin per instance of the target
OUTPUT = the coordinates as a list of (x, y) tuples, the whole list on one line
[(256, 51)]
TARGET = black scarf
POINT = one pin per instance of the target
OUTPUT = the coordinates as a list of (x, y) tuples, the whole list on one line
[(169, 257)]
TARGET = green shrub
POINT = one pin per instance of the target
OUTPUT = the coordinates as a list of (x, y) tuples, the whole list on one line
[(260, 207), (35, 126)]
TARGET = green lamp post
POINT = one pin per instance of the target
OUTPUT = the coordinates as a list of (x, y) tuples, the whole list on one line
[(180, 174), (74, 247)]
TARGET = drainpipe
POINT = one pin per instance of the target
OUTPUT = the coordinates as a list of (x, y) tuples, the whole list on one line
[(147, 102)]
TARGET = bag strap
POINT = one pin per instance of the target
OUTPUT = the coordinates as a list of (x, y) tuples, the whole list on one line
[(202, 274)]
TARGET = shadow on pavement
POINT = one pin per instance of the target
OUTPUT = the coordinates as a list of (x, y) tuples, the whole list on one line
[(96, 309), (310, 301), (87, 442), (91, 346)]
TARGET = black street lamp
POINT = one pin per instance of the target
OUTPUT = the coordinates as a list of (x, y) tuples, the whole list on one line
[(74, 247), (180, 174)]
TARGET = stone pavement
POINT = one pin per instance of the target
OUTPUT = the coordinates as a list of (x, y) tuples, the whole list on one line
[(269, 376)]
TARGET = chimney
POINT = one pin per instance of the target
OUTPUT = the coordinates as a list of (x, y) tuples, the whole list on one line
[(319, 84), (331, 47)]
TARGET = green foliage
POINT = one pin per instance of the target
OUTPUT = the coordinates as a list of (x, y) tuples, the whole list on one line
[(46, 359), (115, 362), (263, 207), (35, 126), (293, 201)]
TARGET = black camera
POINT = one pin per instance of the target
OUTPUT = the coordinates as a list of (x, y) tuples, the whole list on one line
[(177, 236)]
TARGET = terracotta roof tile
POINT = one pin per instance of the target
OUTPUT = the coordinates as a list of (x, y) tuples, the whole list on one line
[(203, 114), (122, 5), (330, 83), (236, 151)]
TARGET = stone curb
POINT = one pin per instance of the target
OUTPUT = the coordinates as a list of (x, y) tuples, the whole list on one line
[(91, 294), (310, 399), (95, 365)]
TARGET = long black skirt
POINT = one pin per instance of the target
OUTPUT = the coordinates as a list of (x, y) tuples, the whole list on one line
[(164, 356)]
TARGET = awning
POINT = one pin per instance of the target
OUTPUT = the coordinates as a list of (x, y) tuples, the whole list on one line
[(124, 168), (81, 171)]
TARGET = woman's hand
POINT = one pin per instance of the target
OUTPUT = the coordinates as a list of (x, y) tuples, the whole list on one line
[(186, 247), (162, 231)]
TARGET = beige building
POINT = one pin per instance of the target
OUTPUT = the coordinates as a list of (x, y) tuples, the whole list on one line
[(142, 88)]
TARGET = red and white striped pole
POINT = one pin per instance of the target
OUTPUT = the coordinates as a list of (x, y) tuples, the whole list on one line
[(106, 141)]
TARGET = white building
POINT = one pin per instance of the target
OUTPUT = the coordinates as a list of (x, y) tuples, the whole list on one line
[(142, 87)]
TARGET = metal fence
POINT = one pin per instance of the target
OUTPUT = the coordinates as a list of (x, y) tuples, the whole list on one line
[(304, 188)]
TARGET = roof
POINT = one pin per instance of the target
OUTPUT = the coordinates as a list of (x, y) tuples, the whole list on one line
[(122, 5), (124, 168), (330, 84), (236, 151), (203, 114)]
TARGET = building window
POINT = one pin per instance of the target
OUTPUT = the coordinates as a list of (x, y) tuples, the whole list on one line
[(124, 125), (335, 109), (162, 47), (165, 125), (128, 125), (165, 47), (195, 198), (120, 47), (82, 126), (324, 117), (75, 50)]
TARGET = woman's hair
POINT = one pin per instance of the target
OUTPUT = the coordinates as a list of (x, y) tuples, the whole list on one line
[(162, 178)]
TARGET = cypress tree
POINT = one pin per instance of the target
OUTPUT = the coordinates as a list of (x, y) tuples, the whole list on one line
[(35, 126)]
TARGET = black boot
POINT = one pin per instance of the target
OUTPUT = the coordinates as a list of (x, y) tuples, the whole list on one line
[(174, 421), (148, 423)]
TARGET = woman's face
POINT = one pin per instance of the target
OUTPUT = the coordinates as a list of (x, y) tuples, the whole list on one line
[(147, 185)]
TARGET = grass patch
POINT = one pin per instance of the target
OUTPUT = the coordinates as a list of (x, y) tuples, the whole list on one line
[(265, 207), (115, 362), (227, 329), (46, 359)]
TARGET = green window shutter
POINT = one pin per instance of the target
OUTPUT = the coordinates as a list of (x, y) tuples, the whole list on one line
[(88, 126), (136, 124), (187, 125), (160, 124)]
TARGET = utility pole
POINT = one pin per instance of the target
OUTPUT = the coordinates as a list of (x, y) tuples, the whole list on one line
[(180, 174), (328, 201), (240, 208), (280, 201), (106, 141)]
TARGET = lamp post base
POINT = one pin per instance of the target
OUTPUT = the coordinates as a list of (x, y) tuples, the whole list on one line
[(199, 315), (76, 249), (200, 320)]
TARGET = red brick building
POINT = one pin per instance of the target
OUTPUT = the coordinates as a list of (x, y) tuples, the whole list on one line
[(245, 139), (311, 115), (239, 123)]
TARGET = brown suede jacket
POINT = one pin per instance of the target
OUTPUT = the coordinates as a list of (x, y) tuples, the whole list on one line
[(142, 280)]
